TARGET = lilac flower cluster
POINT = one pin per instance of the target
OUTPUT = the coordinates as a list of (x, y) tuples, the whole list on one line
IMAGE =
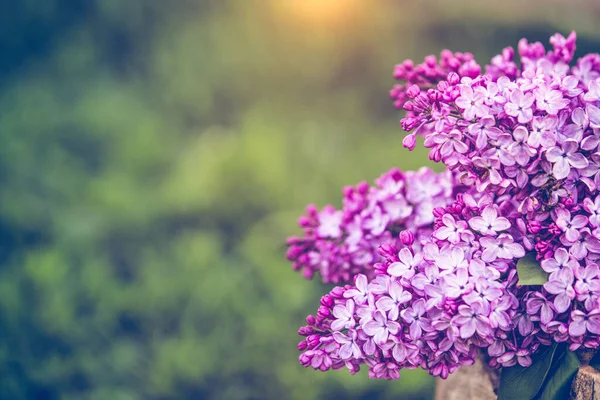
[(339, 244), (435, 308), (537, 138), (430, 72), (523, 145), (523, 135), (432, 308)]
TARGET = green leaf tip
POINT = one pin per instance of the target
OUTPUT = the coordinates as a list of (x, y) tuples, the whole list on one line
[(558, 385), (530, 271), (520, 383), (548, 378)]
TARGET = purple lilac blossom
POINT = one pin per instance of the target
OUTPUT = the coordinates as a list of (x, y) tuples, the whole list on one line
[(531, 133), (437, 307), (436, 311), (535, 136), (339, 244), (523, 144)]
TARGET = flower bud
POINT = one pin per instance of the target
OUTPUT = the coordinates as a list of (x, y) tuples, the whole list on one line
[(435, 155), (313, 341), (534, 227), (409, 123), (407, 238), (302, 345), (304, 221), (438, 212), (453, 78), (542, 246), (305, 331), (386, 250), (554, 229), (380, 268), (413, 91), (408, 64), (362, 187), (442, 86), (308, 273), (293, 252), (337, 292), (324, 312), (305, 359), (327, 301), (409, 142), (431, 61), (521, 225), (312, 210)]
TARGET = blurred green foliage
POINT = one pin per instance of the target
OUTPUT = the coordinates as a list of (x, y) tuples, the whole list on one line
[(156, 154)]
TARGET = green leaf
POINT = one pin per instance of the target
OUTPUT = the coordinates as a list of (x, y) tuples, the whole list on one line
[(530, 271), (558, 384), (520, 383)]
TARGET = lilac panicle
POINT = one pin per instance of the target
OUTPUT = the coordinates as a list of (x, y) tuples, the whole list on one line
[(339, 244), (521, 142), (458, 293), (531, 133), (430, 308)]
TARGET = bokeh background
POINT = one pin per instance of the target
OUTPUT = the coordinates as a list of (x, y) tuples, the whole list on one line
[(155, 154)]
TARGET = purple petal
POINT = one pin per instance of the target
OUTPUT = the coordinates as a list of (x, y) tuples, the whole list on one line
[(419, 307), (399, 353), (381, 336), (371, 328), (525, 325), (550, 265), (478, 224), (515, 249), (562, 302), (468, 329), (340, 311), (397, 269), (415, 331), (345, 352), (579, 221), (593, 324), (577, 328), (570, 146), (572, 235), (385, 303), (361, 283), (405, 256), (547, 314), (338, 324), (578, 161), (594, 115), (489, 254), (501, 224), (554, 154), (561, 255), (341, 338), (554, 287), (561, 168), (369, 347), (393, 327)]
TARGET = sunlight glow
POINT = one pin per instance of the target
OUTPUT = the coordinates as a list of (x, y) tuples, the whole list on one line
[(322, 12)]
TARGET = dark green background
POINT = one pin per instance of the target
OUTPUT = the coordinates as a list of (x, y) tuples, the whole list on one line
[(155, 154)]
